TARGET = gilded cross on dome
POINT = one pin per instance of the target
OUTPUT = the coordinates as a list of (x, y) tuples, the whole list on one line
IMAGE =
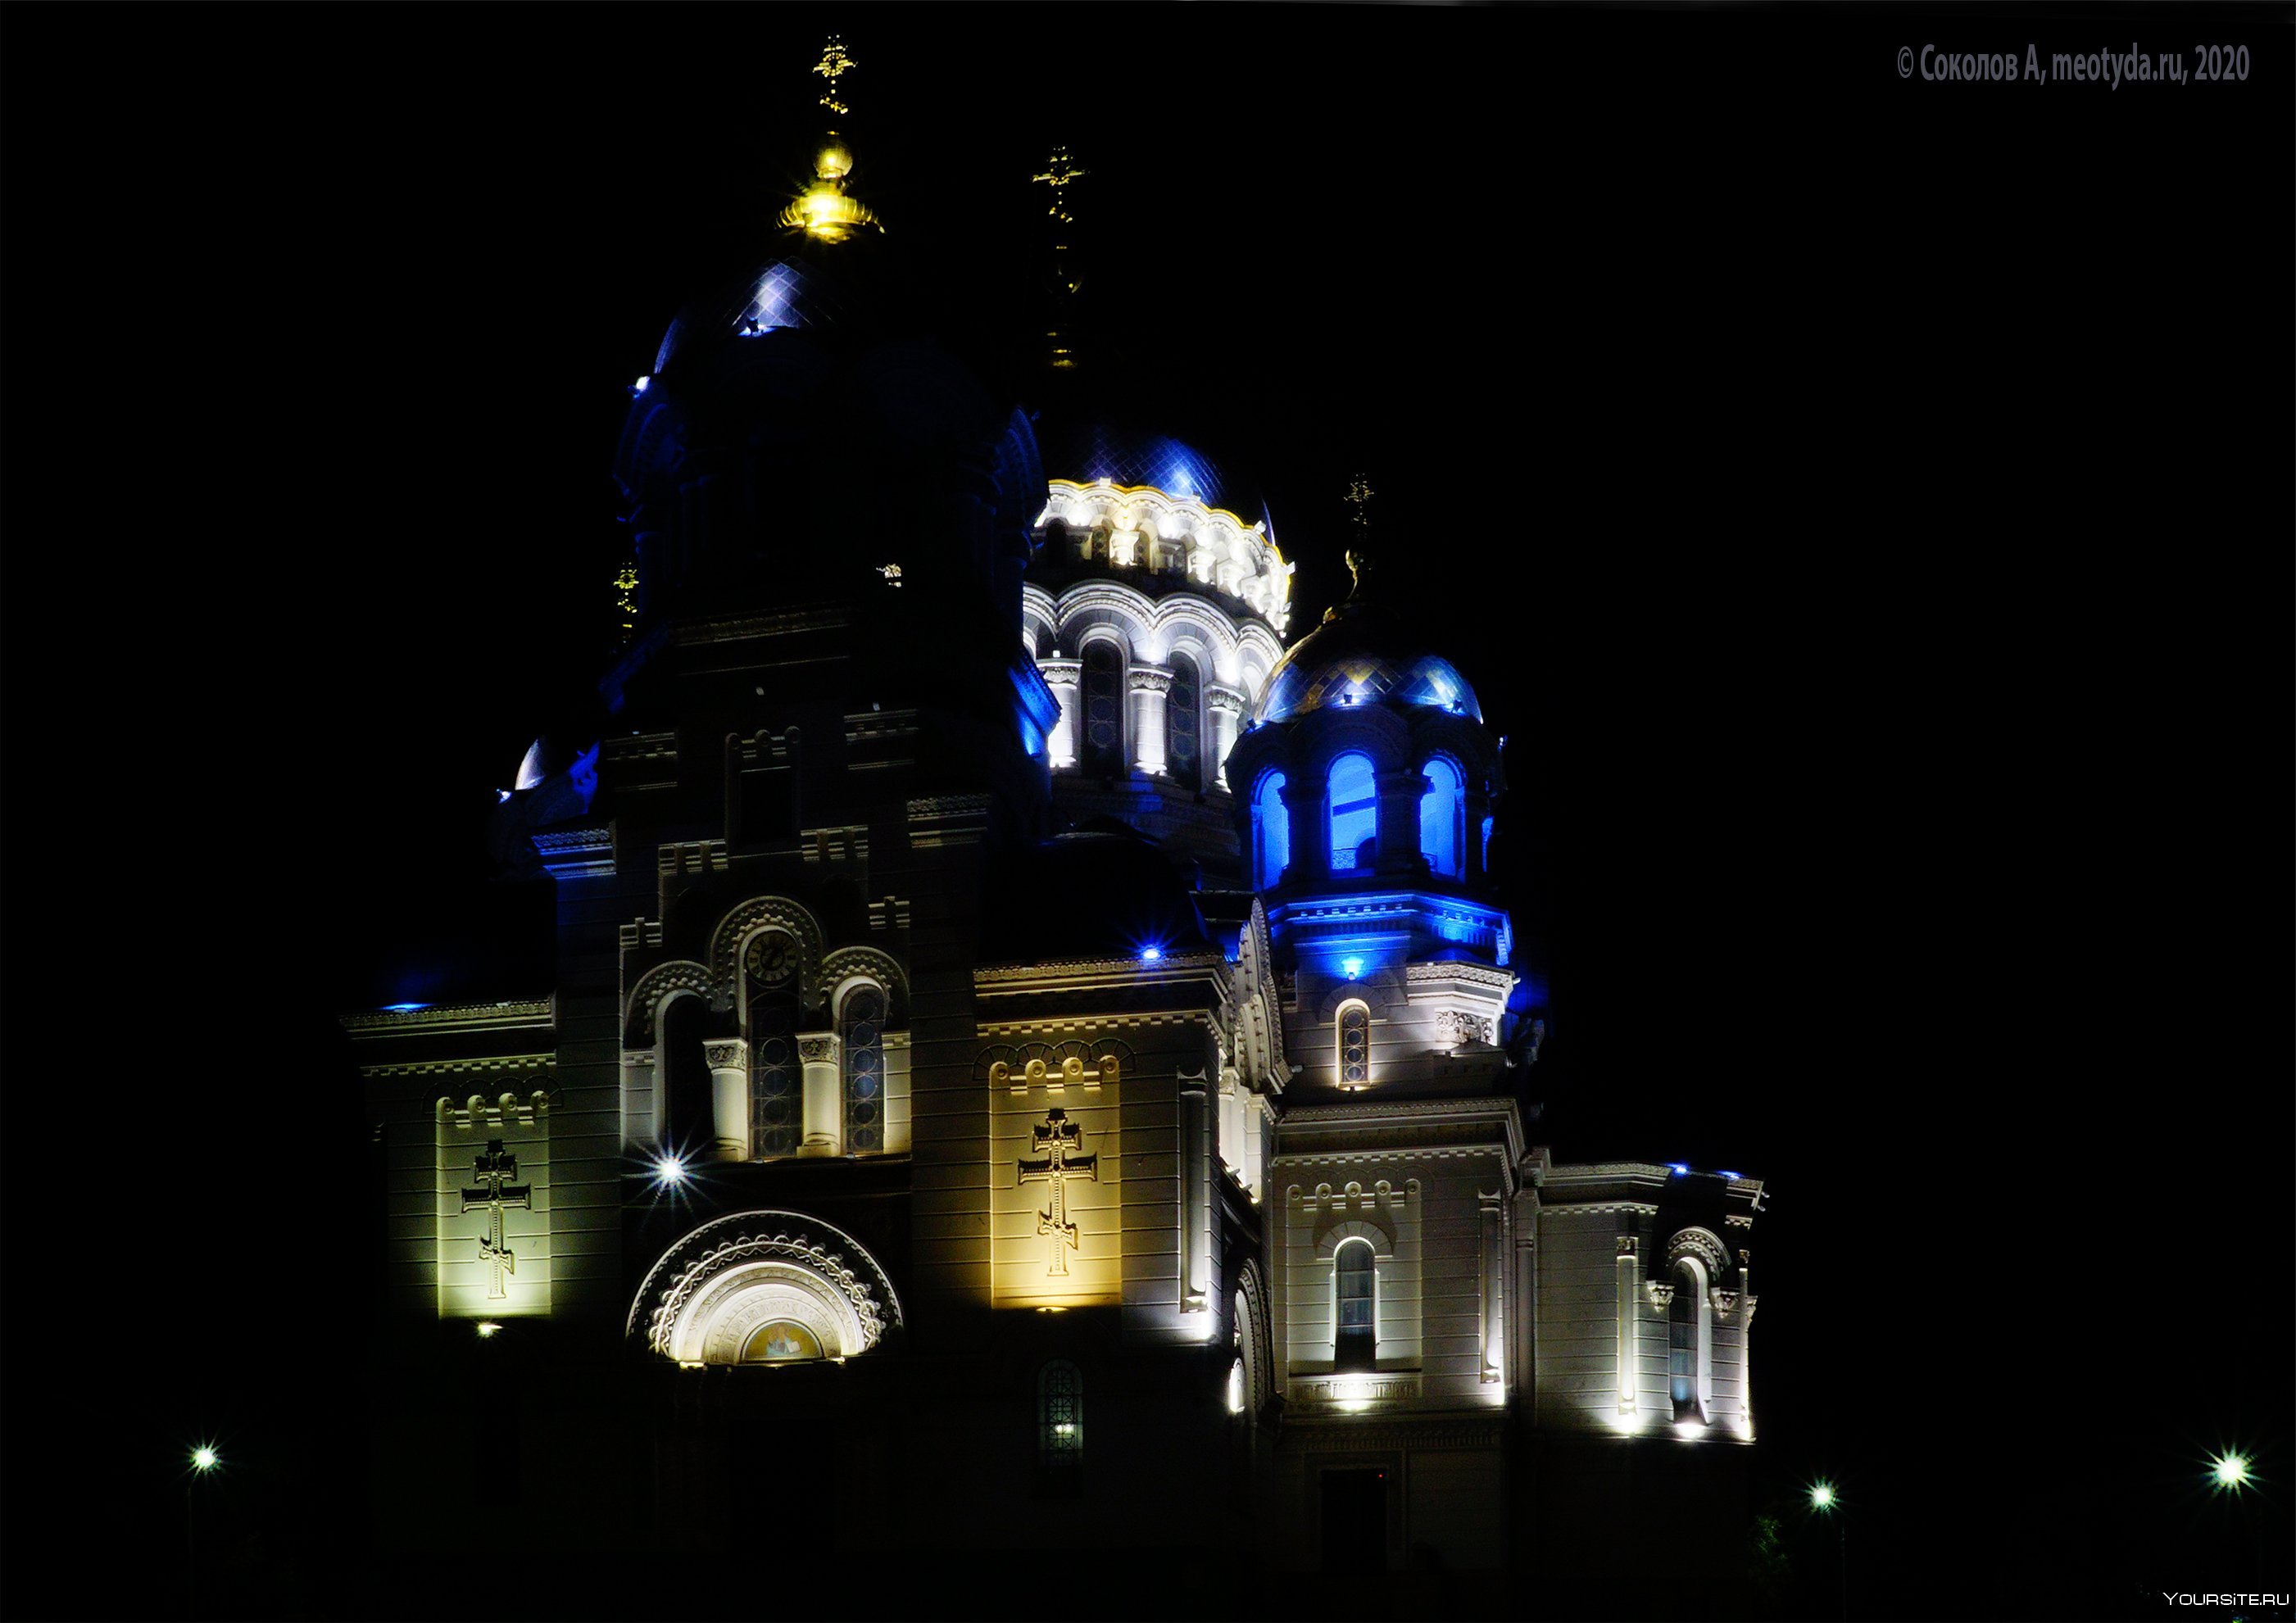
[(834, 62), (1061, 170), (1055, 1139)]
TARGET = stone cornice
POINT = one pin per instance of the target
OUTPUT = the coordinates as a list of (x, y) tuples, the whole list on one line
[(819, 616), (1500, 1113), (1131, 971), (433, 1020), (524, 1062)]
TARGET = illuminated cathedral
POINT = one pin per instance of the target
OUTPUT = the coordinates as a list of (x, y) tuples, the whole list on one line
[(1036, 1096)]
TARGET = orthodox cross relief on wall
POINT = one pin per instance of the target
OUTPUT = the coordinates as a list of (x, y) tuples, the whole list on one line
[(1056, 1139), (494, 1172)]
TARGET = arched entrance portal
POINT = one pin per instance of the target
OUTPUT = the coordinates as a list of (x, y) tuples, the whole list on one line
[(765, 1287)]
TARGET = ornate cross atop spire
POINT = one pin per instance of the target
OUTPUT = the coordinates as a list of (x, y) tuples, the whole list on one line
[(833, 63), (1059, 172)]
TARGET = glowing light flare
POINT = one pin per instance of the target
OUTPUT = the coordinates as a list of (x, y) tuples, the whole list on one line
[(1352, 967), (1821, 1496), (1150, 954), (1679, 1169), (204, 1459), (487, 1330), (669, 1170), (2229, 1473)]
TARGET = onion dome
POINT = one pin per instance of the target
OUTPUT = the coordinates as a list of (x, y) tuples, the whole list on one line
[(1095, 451), (1360, 655)]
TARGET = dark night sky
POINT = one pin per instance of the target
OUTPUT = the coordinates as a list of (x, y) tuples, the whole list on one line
[(1864, 503)]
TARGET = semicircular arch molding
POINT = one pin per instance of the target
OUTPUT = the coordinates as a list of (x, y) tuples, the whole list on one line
[(1254, 1335), (714, 1288), (1702, 1243), (732, 938), (642, 1012), (848, 963), (1382, 1242)]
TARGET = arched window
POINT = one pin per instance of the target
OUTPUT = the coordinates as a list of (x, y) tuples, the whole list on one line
[(1355, 811), (1182, 724), (1354, 1045), (1689, 1344), (1355, 1345), (1104, 706), (769, 979), (1271, 824), (1442, 819), (1060, 1427), (686, 1119), (862, 1025)]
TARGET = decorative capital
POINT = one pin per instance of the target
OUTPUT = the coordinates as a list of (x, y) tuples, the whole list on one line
[(1225, 700), (1062, 673), (727, 1056), (818, 1048), (1148, 679)]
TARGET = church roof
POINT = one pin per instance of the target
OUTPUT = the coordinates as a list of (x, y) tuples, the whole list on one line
[(1363, 655), (1098, 450)]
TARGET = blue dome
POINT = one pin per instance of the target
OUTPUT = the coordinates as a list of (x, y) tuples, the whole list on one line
[(1345, 661), (777, 294), (1096, 451)]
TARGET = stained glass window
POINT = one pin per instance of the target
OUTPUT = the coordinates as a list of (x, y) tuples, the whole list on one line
[(1060, 1426), (1355, 811), (1183, 718), (863, 1031), (1354, 1045), (769, 979)]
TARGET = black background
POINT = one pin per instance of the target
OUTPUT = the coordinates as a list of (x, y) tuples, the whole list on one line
[(1864, 503)]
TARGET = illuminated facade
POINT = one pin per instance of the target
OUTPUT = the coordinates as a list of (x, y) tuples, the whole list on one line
[(1028, 1051)]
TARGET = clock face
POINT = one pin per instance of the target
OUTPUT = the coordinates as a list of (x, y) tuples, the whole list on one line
[(772, 959)]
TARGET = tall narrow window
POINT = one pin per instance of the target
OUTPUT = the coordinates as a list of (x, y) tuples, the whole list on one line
[(1182, 732), (1060, 1427), (1104, 706), (1687, 1343), (1356, 1346), (862, 1029), (1271, 823), (1442, 815), (769, 976), (1354, 1045), (1355, 811), (682, 1076)]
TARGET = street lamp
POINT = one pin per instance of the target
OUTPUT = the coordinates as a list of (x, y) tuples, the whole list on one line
[(204, 1461), (1825, 1501)]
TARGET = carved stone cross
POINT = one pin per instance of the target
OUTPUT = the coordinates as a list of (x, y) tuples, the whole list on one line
[(1055, 1138), (495, 1192)]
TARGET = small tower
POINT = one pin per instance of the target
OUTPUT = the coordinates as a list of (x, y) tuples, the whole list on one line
[(1363, 796)]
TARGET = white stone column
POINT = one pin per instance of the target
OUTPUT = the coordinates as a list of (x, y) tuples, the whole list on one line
[(1629, 1284), (823, 1112), (729, 1097), (1227, 707), (1231, 1120), (1065, 677), (1149, 685), (1493, 1273), (1195, 1204)]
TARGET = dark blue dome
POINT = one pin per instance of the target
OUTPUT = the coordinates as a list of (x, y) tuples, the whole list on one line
[(1360, 658), (1098, 450)]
